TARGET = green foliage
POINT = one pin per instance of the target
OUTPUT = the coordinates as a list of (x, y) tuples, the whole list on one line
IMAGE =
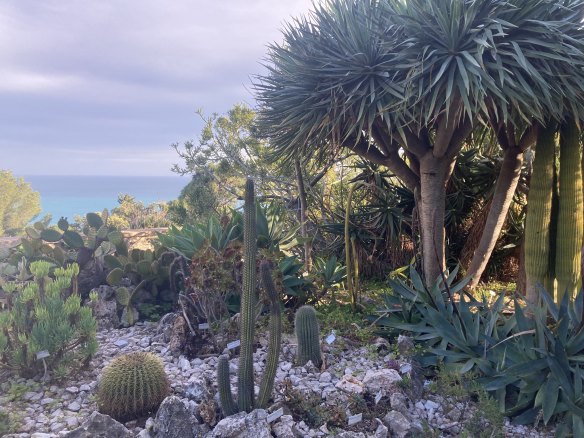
[(132, 385), (132, 214), (227, 152), (45, 315), (530, 365), (307, 336), (245, 382), (198, 201), (19, 203), (346, 323), (149, 271), (62, 245)]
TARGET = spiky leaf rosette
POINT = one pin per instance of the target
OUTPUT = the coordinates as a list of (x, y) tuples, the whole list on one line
[(132, 385)]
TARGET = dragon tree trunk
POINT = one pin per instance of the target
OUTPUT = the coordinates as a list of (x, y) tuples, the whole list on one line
[(502, 198)]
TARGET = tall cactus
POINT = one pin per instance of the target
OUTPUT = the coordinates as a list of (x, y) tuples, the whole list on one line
[(537, 224), (307, 334), (570, 224), (245, 377), (245, 380), (275, 336)]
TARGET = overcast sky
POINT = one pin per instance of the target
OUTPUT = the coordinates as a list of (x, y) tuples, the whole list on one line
[(104, 87)]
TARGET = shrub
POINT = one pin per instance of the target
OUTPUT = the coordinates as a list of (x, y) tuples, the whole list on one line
[(132, 385), (44, 318)]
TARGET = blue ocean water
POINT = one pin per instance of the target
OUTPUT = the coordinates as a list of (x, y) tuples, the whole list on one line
[(72, 195)]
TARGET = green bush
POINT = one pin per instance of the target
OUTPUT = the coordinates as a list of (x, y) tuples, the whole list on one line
[(132, 385), (44, 315)]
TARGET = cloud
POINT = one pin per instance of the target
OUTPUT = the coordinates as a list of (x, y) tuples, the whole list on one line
[(124, 74)]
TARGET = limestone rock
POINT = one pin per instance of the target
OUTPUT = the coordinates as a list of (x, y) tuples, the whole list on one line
[(100, 426), (350, 384), (380, 380), (242, 425), (173, 419), (397, 424)]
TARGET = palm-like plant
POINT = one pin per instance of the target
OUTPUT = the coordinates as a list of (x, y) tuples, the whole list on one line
[(404, 83)]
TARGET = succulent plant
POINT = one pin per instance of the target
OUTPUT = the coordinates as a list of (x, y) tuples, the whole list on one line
[(132, 385), (44, 319), (245, 400), (147, 269), (308, 336)]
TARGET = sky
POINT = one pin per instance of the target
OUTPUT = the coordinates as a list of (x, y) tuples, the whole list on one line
[(105, 87)]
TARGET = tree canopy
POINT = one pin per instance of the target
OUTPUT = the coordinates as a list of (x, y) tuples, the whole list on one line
[(405, 83), (19, 203)]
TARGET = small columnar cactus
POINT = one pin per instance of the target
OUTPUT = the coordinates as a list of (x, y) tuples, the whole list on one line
[(132, 385), (308, 336)]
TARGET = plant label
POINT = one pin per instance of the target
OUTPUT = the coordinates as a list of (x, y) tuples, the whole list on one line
[(275, 415), (330, 338), (234, 344), (42, 354), (204, 326), (354, 419), (378, 397)]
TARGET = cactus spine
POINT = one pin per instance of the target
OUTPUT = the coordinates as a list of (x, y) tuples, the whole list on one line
[(307, 334), (570, 221), (537, 223), (275, 336), (245, 378)]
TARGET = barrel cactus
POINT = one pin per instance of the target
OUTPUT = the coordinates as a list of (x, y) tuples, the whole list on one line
[(132, 385), (308, 336)]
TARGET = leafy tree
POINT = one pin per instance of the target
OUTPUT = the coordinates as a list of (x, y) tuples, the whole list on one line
[(198, 200), (19, 203), (133, 214), (405, 83)]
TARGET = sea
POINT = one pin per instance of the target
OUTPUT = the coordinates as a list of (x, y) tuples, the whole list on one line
[(71, 195)]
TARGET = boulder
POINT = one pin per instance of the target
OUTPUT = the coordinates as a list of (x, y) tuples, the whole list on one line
[(243, 425), (175, 420), (178, 336), (351, 384), (284, 427), (100, 426), (380, 380), (397, 423)]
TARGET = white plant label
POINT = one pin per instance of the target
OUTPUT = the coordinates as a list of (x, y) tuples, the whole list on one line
[(275, 415), (378, 397), (354, 419), (405, 368), (330, 338), (42, 354), (204, 326), (234, 344)]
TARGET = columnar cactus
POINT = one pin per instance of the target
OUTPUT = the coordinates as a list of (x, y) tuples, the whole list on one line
[(570, 221), (537, 224), (307, 334), (275, 336), (245, 382)]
